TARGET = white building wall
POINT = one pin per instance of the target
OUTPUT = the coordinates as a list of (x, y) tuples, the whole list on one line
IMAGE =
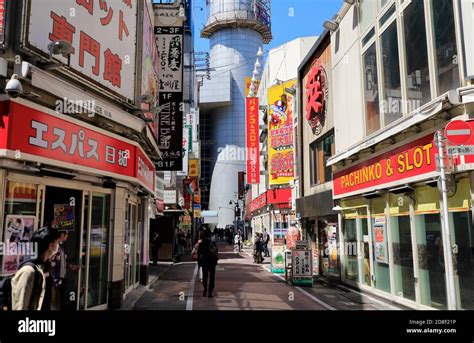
[(347, 85)]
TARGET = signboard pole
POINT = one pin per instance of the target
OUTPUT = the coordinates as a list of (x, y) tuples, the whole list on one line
[(448, 253)]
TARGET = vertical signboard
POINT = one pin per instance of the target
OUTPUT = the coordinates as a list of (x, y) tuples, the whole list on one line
[(253, 147), (102, 35), (150, 69), (2, 21), (169, 31), (280, 135)]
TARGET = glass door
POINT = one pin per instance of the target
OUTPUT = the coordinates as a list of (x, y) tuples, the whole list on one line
[(130, 247)]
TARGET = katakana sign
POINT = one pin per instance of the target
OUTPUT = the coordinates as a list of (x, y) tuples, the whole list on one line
[(169, 32), (41, 136), (101, 32)]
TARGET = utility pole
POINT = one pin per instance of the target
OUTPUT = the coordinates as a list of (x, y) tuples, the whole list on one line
[(448, 247)]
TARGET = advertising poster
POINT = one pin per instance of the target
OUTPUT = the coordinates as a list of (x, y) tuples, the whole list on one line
[(278, 259), (98, 241), (280, 134), (19, 229), (302, 263), (380, 244), (63, 217), (332, 246)]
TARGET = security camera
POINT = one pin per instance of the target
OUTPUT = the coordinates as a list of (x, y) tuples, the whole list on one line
[(14, 88)]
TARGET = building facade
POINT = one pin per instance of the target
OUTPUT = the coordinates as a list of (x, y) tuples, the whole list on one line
[(401, 71), (77, 148), (315, 140), (236, 30)]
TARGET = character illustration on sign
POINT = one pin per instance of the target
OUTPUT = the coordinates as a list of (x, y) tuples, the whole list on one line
[(278, 115)]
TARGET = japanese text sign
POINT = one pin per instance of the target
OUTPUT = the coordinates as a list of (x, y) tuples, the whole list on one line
[(280, 135), (102, 34), (53, 137), (253, 143), (169, 31)]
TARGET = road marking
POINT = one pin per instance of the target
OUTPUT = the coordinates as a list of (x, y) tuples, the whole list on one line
[(312, 297), (189, 303)]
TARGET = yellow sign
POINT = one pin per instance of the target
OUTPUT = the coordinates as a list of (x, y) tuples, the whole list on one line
[(281, 158), (193, 168), (248, 82)]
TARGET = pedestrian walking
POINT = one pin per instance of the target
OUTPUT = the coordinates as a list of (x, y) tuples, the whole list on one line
[(208, 255), (238, 240), (266, 240), (29, 287)]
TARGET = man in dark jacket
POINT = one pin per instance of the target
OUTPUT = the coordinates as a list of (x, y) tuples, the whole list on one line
[(207, 258)]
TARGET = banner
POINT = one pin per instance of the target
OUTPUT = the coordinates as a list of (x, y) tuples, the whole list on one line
[(280, 134), (169, 35), (278, 259), (150, 69), (253, 143), (63, 217)]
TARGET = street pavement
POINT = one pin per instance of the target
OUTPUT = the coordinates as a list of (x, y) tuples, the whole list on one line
[(242, 285)]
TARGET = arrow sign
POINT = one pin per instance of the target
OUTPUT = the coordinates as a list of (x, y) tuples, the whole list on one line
[(458, 132)]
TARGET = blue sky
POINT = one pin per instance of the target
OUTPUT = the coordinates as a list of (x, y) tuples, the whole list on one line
[(308, 19)]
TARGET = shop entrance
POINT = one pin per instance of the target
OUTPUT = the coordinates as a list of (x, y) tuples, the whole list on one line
[(63, 211), (84, 270), (132, 242)]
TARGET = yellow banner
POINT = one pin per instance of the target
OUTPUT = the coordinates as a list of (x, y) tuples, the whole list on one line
[(281, 158)]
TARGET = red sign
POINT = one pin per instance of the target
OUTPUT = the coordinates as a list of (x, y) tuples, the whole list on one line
[(259, 202), (253, 147), (34, 134), (316, 96), (279, 196), (145, 170), (458, 132), (410, 160)]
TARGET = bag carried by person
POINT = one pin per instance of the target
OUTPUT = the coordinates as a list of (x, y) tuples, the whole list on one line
[(213, 252), (194, 253), (6, 286)]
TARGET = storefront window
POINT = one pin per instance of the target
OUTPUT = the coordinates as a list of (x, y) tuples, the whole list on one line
[(431, 260), (392, 100), (20, 221), (380, 245), (349, 230), (445, 42), (98, 262), (402, 247), (371, 93), (365, 262), (418, 75), (464, 235)]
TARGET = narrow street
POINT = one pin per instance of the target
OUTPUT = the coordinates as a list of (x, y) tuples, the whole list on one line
[(242, 285)]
